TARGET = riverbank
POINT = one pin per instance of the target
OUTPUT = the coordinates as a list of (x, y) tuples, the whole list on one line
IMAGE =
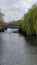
[(2, 27)]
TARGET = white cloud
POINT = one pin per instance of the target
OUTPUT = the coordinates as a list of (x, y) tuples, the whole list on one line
[(14, 9)]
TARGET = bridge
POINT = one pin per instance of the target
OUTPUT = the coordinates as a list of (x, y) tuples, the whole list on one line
[(11, 26)]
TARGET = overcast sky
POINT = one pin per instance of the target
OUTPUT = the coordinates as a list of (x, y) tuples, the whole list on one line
[(15, 9)]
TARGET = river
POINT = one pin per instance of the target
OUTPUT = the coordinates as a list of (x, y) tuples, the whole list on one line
[(15, 49)]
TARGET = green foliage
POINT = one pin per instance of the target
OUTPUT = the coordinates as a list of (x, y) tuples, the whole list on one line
[(2, 24), (13, 23), (30, 22)]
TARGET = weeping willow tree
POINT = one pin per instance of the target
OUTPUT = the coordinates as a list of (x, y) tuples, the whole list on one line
[(30, 22)]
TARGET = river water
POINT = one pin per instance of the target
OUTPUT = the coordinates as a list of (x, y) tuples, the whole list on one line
[(15, 49)]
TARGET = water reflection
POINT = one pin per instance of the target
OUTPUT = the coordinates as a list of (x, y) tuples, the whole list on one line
[(32, 40), (17, 50)]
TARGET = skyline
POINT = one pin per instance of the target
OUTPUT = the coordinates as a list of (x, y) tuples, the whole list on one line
[(15, 9)]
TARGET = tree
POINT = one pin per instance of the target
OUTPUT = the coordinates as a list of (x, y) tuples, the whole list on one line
[(1, 16), (2, 24)]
